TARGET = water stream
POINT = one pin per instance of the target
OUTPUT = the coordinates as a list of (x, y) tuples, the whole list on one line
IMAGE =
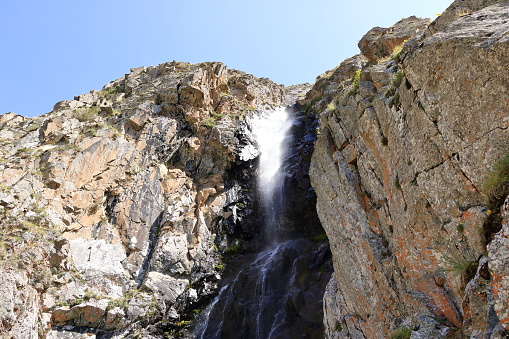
[(277, 294)]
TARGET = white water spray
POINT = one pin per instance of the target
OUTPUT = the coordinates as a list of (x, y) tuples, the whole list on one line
[(271, 134)]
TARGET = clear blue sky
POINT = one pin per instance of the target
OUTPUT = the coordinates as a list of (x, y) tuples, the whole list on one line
[(55, 49)]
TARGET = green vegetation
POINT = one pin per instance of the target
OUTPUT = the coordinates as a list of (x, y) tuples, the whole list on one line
[(402, 333), (34, 126), (110, 91), (331, 107), (122, 302), (397, 184), (320, 237), (460, 228), (84, 114), (209, 122), (398, 79), (234, 248), (219, 267), (310, 105), (464, 268), (94, 208), (498, 174), (355, 82), (339, 327), (66, 147)]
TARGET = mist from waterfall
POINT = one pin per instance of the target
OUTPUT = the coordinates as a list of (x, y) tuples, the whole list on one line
[(271, 132)]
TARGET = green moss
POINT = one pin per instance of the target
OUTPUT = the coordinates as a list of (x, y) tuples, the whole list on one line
[(397, 184), (460, 228)]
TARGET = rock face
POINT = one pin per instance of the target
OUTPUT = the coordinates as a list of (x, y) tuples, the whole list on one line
[(404, 152), (113, 203), (117, 206)]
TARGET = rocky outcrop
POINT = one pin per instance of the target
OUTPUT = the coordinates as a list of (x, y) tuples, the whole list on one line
[(113, 204), (404, 150)]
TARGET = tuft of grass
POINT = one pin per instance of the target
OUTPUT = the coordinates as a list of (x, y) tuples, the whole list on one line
[(110, 90), (395, 101), (331, 107), (355, 82), (122, 302), (397, 50), (84, 114), (209, 122), (498, 174), (465, 268)]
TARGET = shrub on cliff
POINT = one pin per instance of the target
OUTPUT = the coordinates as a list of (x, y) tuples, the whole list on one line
[(498, 174)]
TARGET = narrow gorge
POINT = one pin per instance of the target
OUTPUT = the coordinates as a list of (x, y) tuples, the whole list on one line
[(196, 201)]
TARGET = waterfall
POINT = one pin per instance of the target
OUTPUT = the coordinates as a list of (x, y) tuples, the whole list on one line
[(276, 293), (271, 134)]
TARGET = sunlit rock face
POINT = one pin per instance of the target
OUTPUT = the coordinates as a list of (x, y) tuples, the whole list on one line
[(399, 168), (116, 205)]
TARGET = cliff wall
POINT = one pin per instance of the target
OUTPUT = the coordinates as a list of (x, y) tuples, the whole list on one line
[(410, 130), (116, 206)]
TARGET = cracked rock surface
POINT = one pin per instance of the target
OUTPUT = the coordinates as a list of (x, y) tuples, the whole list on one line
[(110, 205), (404, 150)]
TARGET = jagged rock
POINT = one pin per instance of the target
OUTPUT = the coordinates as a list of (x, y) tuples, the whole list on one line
[(165, 287), (379, 43), (123, 174), (67, 104), (498, 251), (88, 98), (19, 305), (398, 167)]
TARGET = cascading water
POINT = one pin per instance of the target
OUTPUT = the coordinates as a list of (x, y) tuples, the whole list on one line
[(272, 137), (278, 294)]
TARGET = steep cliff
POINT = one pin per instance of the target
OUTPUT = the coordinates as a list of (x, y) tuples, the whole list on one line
[(116, 206), (410, 130)]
